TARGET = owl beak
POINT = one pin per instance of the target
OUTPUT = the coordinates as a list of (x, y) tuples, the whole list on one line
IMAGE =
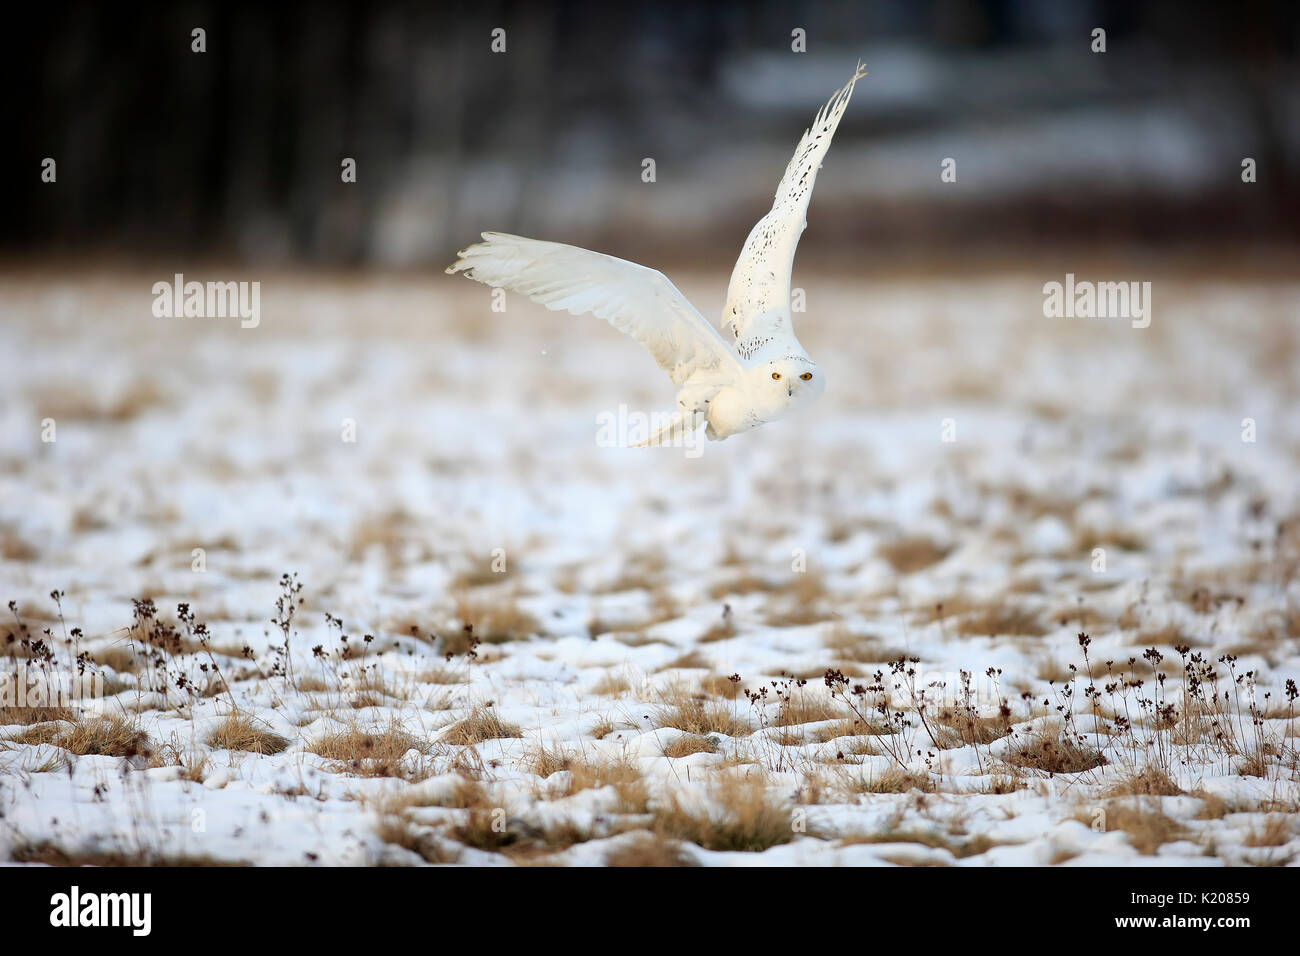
[(789, 390)]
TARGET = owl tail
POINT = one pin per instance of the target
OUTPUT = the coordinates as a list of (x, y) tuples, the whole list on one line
[(678, 427)]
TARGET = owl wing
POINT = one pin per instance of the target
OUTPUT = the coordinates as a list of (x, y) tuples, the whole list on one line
[(633, 299), (758, 296)]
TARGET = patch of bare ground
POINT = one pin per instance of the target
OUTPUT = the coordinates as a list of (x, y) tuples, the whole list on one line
[(723, 629), (1088, 537), (14, 547), (995, 617), (739, 585), (799, 603), (911, 553), (691, 660), (1002, 619), (80, 404), (854, 646)]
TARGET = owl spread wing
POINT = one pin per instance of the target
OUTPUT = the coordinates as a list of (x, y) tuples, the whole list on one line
[(633, 299), (758, 296)]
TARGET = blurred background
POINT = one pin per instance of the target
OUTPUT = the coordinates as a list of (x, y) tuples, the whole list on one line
[(234, 154)]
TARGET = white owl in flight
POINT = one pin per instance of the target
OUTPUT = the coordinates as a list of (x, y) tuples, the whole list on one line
[(763, 375)]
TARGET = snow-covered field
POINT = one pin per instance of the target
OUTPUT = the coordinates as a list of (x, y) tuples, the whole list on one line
[(514, 644)]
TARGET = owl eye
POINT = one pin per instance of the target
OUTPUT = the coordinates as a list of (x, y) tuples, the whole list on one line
[(776, 376), (806, 376)]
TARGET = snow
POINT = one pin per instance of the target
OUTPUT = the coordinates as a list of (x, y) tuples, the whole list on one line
[(636, 580)]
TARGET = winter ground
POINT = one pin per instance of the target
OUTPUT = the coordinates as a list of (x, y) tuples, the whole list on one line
[(590, 716)]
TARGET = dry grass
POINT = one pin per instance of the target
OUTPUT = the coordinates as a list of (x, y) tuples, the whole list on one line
[(1001, 620), (1053, 754), (439, 674), (744, 817), (120, 657), (849, 645), (242, 732), (494, 620), (1276, 830), (1148, 782), (803, 709), (959, 848), (591, 772), (719, 686), (33, 715), (893, 780), (963, 729), (696, 715), (689, 744), (108, 735), (194, 765), (851, 728), (611, 685), (723, 630), (37, 734), (372, 753), (482, 724), (1148, 827), (420, 840), (48, 854), (648, 849)]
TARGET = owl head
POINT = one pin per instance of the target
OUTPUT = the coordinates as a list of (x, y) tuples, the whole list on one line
[(798, 378)]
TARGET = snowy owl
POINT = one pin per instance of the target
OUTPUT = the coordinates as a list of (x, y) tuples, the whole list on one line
[(762, 375)]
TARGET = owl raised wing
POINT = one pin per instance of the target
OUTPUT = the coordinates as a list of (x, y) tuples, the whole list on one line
[(758, 296), (632, 298), (764, 377)]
